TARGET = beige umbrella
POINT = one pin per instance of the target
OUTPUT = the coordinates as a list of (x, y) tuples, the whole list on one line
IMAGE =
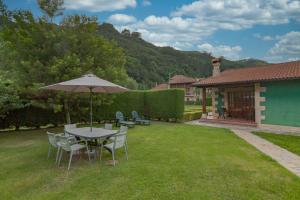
[(87, 83)]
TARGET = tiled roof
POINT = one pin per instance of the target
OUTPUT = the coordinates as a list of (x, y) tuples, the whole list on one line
[(181, 79), (281, 71), (162, 86)]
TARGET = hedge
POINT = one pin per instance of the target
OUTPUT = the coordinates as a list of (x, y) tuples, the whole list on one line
[(161, 105), (189, 116), (165, 104)]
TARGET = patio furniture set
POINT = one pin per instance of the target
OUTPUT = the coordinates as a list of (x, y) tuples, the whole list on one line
[(76, 140)]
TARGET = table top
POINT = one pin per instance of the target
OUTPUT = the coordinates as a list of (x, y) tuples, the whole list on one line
[(86, 132)]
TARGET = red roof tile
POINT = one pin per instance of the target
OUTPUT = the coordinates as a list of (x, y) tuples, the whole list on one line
[(281, 71), (181, 79), (162, 86)]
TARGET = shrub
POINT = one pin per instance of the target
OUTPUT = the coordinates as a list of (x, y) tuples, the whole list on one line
[(165, 104), (189, 116), (162, 105)]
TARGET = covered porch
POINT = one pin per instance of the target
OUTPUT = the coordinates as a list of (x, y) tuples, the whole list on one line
[(231, 104)]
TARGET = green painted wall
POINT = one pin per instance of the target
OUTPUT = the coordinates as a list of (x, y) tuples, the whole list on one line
[(282, 103)]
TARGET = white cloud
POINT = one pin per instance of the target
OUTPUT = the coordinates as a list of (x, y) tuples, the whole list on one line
[(146, 3), (286, 49), (189, 25), (263, 37), (240, 14), (121, 19), (99, 5), (230, 52)]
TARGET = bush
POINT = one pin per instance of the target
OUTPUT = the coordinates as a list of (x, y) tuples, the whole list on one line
[(165, 104), (161, 105), (189, 116), (124, 102)]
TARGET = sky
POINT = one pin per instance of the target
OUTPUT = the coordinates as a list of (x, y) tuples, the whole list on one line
[(236, 29)]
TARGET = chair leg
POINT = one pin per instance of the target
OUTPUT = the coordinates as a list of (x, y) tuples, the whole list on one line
[(101, 152), (113, 156), (70, 159), (57, 154), (60, 156), (126, 151), (88, 151), (49, 151)]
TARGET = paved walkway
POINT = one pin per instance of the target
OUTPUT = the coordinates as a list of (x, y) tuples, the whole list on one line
[(285, 158)]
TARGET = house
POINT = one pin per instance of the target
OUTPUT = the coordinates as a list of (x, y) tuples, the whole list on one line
[(268, 96), (183, 82), (162, 86)]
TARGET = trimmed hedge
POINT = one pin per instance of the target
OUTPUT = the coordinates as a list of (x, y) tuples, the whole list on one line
[(161, 105), (165, 104), (189, 116)]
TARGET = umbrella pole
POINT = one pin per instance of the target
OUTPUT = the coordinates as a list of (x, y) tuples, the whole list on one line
[(91, 109)]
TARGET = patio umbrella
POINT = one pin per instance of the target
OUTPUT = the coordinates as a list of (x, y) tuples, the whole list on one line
[(87, 83)]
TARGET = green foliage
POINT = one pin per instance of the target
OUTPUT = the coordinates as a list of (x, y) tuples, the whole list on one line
[(165, 104), (51, 8), (124, 102), (189, 116), (157, 105), (149, 64), (35, 53), (9, 98)]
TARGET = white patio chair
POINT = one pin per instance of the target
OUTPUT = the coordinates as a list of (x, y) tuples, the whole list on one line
[(108, 126), (70, 126), (118, 141), (53, 143), (68, 146)]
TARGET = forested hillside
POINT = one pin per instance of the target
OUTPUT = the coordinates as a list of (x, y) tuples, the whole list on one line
[(149, 64)]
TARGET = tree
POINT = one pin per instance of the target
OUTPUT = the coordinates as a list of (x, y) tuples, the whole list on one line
[(51, 8), (39, 53)]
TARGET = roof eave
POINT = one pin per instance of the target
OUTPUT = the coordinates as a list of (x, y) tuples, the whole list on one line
[(242, 82)]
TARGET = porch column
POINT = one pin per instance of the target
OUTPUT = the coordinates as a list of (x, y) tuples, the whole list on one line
[(204, 100)]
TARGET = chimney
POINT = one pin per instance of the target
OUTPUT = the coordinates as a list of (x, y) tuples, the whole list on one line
[(216, 62)]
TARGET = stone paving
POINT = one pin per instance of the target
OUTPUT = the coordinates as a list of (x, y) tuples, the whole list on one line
[(285, 158)]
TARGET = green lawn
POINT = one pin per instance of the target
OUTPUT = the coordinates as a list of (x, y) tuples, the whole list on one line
[(166, 161), (189, 108), (289, 142), (195, 108)]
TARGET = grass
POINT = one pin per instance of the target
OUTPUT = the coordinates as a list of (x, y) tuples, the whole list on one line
[(166, 161), (289, 142)]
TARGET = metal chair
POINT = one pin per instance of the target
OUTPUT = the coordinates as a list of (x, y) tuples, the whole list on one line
[(118, 141), (138, 120), (53, 143), (108, 126), (69, 146), (120, 120), (71, 126)]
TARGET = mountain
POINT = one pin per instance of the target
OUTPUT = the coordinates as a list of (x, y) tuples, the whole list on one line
[(149, 64)]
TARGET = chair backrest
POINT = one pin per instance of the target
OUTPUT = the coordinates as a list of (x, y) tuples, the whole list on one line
[(108, 126), (69, 126), (52, 139), (64, 142), (121, 137), (119, 116), (135, 115)]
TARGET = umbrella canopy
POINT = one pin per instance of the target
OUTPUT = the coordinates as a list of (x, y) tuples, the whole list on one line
[(87, 83)]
